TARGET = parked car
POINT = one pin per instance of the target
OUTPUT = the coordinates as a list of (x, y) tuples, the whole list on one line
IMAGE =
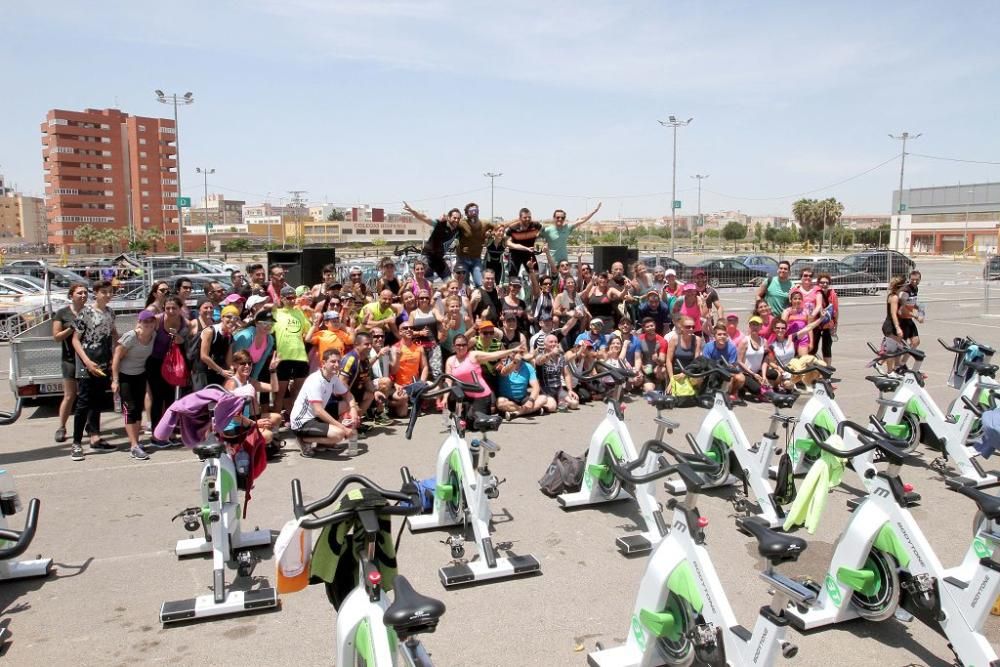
[(682, 269), (843, 277), (19, 306), (760, 262), (201, 280), (879, 261), (59, 278), (216, 265), (29, 283), (722, 272), (991, 271)]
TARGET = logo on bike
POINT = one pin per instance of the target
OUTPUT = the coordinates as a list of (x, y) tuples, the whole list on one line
[(833, 590), (981, 549), (640, 636), (882, 493)]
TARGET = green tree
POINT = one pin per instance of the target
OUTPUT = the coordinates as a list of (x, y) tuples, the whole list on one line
[(734, 231), (758, 234), (87, 235), (335, 216), (236, 245), (783, 237)]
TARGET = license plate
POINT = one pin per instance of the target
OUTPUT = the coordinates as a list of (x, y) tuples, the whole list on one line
[(51, 388)]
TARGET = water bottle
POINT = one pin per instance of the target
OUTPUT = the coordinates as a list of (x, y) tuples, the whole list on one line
[(10, 501), (352, 444), (118, 402)]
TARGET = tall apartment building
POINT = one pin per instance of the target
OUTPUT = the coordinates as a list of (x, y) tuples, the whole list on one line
[(107, 169), (22, 218)]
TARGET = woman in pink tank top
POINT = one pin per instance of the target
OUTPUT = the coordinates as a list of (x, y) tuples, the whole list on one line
[(465, 366)]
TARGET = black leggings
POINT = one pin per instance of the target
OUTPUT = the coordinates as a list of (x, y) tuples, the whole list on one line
[(160, 392), (91, 399), (826, 337)]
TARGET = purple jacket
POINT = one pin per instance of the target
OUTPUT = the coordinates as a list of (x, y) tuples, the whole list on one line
[(190, 414)]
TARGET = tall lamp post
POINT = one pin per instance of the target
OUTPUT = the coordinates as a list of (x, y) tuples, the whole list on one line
[(492, 175), (904, 137), (183, 100), (674, 123), (208, 225), (701, 222)]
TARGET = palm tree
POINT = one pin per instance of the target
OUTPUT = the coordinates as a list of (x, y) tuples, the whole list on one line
[(87, 235)]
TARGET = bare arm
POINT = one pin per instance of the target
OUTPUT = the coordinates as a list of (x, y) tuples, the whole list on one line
[(587, 217), (417, 214), (60, 332)]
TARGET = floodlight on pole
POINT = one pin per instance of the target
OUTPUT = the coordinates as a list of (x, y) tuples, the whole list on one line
[(185, 99), (672, 122), (492, 175)]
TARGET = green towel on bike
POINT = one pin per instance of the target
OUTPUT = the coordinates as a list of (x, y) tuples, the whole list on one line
[(823, 476), (338, 550)]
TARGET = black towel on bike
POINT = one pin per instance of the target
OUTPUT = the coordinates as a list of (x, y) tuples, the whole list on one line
[(338, 550)]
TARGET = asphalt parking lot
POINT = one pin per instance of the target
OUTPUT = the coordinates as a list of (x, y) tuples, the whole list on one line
[(106, 523)]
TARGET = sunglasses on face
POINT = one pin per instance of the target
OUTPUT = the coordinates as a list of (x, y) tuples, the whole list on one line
[(560, 217), (807, 275), (163, 290), (378, 336), (241, 364), (460, 345)]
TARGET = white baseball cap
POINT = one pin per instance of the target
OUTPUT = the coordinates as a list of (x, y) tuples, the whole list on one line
[(671, 272)]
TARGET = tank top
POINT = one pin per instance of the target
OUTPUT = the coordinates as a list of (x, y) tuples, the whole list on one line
[(471, 372), (420, 320), (449, 341), (797, 322), (602, 307), (784, 352), (409, 363), (755, 355), (683, 356), (217, 350), (488, 307), (693, 312)]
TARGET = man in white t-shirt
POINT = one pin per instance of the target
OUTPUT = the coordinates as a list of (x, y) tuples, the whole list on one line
[(310, 420)]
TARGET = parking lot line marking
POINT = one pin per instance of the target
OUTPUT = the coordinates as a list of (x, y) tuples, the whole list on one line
[(78, 470)]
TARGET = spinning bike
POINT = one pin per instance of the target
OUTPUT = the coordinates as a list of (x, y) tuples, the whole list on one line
[(611, 441), (909, 413), (721, 438), (218, 517), (465, 485), (681, 612), (10, 504), (371, 630), (883, 560)]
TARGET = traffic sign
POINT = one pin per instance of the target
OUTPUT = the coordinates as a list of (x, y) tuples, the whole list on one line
[(209, 225), (902, 207), (677, 203), (183, 202)]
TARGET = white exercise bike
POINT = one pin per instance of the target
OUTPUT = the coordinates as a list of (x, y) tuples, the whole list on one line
[(910, 413), (721, 438), (611, 441), (218, 519), (464, 487), (681, 612), (883, 561), (372, 629)]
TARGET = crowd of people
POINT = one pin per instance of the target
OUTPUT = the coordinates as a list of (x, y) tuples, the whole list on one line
[(335, 359)]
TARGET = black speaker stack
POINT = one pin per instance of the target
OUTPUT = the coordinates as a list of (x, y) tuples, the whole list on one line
[(302, 267), (606, 255)]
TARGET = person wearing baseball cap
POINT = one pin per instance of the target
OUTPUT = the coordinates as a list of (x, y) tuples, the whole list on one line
[(329, 333), (672, 286), (752, 350), (128, 376), (214, 362), (733, 328), (290, 328), (487, 341), (691, 306), (594, 335), (256, 337)]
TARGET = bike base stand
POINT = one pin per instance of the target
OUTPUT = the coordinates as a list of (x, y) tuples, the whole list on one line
[(25, 569), (636, 545), (199, 545), (205, 606), (478, 570)]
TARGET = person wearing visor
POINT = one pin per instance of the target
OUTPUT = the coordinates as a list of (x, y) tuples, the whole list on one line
[(215, 354), (290, 328)]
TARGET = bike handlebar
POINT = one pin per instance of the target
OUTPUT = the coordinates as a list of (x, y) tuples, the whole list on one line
[(406, 250), (881, 355), (717, 368), (826, 371), (617, 375), (433, 390), (985, 348), (408, 493), (869, 439), (688, 464), (21, 538)]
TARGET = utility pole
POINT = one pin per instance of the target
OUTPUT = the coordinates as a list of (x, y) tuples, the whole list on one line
[(674, 123), (701, 221), (492, 175), (184, 100), (297, 202), (208, 225), (904, 137)]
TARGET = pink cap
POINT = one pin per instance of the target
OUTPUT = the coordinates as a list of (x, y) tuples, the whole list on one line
[(232, 298), (689, 287)]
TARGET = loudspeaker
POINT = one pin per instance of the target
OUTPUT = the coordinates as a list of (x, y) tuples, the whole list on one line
[(302, 267), (606, 255)]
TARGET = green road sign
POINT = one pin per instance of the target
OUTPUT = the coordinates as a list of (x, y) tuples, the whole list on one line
[(677, 203), (209, 225), (183, 202), (902, 207)]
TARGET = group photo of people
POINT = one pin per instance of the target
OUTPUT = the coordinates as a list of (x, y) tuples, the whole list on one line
[(501, 305)]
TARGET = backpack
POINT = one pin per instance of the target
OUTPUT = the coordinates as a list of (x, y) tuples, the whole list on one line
[(426, 488), (784, 487), (564, 474)]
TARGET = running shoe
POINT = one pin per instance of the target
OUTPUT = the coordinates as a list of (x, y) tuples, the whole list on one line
[(139, 453)]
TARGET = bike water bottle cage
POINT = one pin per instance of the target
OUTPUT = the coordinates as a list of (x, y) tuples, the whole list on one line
[(410, 612), (776, 547), (987, 503)]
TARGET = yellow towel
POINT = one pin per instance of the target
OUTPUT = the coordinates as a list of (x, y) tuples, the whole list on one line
[(825, 474)]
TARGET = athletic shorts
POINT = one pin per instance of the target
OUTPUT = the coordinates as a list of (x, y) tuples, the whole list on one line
[(132, 391), (314, 428), (68, 370), (292, 370), (909, 327)]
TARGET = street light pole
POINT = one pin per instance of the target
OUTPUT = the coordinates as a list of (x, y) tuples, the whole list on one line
[(701, 221), (208, 225), (904, 137), (492, 175), (674, 123), (185, 99)]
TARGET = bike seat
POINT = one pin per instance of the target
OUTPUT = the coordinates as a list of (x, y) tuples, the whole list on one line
[(410, 612), (772, 545), (782, 400), (660, 400), (989, 370), (883, 384), (209, 451), (988, 504), (484, 423)]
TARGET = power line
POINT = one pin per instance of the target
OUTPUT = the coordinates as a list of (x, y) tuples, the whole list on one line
[(953, 159), (809, 192), (566, 196)]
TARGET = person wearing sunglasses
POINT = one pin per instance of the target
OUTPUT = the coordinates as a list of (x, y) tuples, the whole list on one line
[(472, 235), (128, 377), (215, 351), (242, 383), (291, 326), (157, 296), (276, 284), (812, 299), (557, 233), (775, 290), (257, 340), (827, 330), (443, 232)]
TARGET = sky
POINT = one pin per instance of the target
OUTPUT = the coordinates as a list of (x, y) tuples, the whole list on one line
[(376, 102)]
